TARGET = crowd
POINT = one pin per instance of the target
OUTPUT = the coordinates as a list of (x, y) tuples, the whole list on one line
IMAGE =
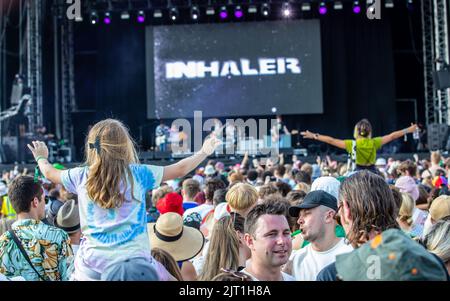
[(116, 219)]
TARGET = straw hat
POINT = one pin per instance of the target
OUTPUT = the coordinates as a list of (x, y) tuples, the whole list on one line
[(169, 234)]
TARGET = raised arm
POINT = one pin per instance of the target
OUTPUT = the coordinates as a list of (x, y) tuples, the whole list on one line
[(40, 154), (327, 139), (183, 167), (397, 134)]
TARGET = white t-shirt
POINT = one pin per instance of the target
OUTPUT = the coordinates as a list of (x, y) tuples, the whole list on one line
[(202, 209), (307, 263), (286, 277)]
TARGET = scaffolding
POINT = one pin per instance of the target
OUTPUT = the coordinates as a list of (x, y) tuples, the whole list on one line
[(435, 56), (68, 104), (34, 61)]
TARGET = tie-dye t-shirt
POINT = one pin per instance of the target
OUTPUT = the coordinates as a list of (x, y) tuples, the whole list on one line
[(112, 234)]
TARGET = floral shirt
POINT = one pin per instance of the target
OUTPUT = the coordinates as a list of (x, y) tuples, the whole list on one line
[(47, 247)]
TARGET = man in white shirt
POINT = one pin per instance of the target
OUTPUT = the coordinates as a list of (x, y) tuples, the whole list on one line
[(316, 217), (268, 236)]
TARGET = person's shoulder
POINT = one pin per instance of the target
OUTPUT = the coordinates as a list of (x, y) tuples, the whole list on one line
[(328, 273), (53, 233), (5, 238), (344, 246), (287, 277)]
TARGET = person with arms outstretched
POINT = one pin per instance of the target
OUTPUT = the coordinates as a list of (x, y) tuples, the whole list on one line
[(363, 148), (111, 188)]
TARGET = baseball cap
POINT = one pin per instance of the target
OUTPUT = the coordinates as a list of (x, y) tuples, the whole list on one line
[(314, 199), (397, 256), (130, 269), (171, 202)]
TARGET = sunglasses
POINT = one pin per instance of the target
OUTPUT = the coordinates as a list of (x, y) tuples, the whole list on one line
[(239, 275)]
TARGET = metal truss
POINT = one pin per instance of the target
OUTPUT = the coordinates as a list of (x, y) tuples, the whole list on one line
[(68, 103), (435, 55), (34, 61)]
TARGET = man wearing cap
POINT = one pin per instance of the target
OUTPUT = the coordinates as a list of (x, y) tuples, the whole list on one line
[(382, 250), (316, 217)]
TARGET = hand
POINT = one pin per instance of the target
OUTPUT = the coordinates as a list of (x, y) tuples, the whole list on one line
[(39, 149), (307, 135), (210, 145), (255, 163), (412, 128)]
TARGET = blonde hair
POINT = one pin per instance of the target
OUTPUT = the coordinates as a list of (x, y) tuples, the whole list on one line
[(435, 157), (406, 209), (223, 251), (241, 196), (159, 193), (303, 187), (109, 152), (306, 167), (437, 241)]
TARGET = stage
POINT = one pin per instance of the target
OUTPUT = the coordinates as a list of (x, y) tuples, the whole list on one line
[(165, 159)]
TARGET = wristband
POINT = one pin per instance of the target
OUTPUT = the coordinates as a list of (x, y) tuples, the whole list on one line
[(39, 158), (405, 132), (316, 136)]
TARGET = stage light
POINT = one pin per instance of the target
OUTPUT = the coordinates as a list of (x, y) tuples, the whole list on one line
[(238, 13), (107, 18), (210, 11), (286, 10), (323, 8), (338, 5), (223, 13), (173, 13), (157, 14), (306, 6), (125, 15), (252, 9), (410, 5), (389, 4), (356, 7), (94, 18), (265, 9), (141, 16), (195, 13)]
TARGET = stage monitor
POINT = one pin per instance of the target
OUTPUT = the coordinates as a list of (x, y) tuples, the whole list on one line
[(234, 69)]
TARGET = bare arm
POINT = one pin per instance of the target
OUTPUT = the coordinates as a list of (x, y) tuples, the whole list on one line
[(327, 139), (397, 134), (245, 160), (40, 154), (183, 167)]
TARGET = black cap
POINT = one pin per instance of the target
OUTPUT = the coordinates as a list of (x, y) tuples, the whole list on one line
[(314, 199)]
